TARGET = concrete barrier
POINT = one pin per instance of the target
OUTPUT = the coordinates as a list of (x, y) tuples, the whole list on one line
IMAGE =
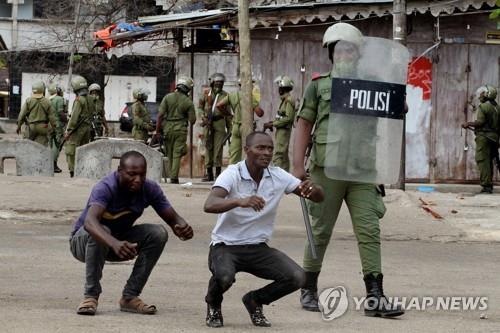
[(32, 158), (93, 160)]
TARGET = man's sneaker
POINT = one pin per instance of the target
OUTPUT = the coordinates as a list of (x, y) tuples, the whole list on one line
[(309, 300), (214, 316), (255, 311)]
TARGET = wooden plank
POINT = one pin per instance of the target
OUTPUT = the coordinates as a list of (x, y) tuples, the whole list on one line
[(448, 105), (483, 60)]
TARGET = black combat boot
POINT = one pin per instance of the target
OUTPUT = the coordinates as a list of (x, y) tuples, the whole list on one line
[(174, 180), (218, 170), (376, 304), (309, 294), (486, 190), (71, 174), (214, 316), (210, 175), (56, 168)]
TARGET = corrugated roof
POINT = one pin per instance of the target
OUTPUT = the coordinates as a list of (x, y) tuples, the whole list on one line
[(185, 16)]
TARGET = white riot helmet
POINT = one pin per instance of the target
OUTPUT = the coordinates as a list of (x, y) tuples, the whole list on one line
[(185, 81), (341, 32), (486, 92), (284, 82), (94, 87)]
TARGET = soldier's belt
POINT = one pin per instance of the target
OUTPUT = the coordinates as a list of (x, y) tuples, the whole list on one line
[(38, 122)]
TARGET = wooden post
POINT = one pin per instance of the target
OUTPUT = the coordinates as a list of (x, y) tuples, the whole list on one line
[(399, 35), (75, 45), (245, 70)]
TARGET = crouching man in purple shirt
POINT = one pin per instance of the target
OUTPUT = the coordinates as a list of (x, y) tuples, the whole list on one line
[(246, 197), (106, 231)]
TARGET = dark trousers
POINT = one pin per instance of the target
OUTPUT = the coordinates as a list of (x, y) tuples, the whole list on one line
[(224, 261), (150, 239)]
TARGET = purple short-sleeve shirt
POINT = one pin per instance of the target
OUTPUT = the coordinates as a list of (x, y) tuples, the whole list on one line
[(122, 208)]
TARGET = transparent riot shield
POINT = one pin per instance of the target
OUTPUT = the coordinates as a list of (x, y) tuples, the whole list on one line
[(365, 125)]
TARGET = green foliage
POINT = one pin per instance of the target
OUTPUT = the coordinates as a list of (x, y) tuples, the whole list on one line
[(77, 58), (495, 14)]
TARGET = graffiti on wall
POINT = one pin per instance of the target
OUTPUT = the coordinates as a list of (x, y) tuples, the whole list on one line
[(418, 98)]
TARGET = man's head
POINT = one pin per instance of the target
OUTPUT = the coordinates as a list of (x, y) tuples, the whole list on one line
[(132, 171), (38, 89), (259, 149), (285, 84), (94, 89), (184, 84), (343, 42), (217, 82), (486, 93), (79, 85)]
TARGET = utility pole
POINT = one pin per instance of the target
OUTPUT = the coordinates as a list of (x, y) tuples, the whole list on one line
[(399, 35), (245, 70), (15, 7), (75, 44)]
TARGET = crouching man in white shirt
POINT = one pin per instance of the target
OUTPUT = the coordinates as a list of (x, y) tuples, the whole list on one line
[(246, 197)]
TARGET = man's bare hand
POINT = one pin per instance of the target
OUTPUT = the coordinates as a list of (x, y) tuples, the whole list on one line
[(183, 231), (255, 202), (307, 188), (125, 250)]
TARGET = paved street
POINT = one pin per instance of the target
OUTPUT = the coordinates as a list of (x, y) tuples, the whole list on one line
[(42, 283)]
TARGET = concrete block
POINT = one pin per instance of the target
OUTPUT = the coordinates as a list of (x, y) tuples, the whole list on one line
[(32, 158), (94, 160)]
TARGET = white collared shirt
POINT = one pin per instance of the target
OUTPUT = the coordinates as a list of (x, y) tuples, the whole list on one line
[(240, 226)]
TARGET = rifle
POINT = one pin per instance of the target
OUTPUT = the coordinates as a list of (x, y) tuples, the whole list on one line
[(305, 213), (80, 122), (210, 133)]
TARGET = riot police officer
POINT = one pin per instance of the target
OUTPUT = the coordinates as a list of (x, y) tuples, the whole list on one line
[(214, 123), (233, 100), (142, 117), (99, 120), (486, 128), (363, 200), (78, 129), (283, 122), (176, 111), (57, 103), (37, 114)]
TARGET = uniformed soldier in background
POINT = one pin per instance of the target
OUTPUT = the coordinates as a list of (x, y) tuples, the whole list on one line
[(175, 114), (142, 117), (283, 123), (78, 129), (486, 128), (214, 123), (38, 116), (233, 100), (57, 103), (363, 200), (99, 119)]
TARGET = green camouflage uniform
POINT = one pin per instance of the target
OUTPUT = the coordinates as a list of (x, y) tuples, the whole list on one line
[(215, 130), (57, 103), (363, 201), (176, 110), (283, 124), (141, 121), (235, 148), (79, 127), (37, 113), (486, 141)]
